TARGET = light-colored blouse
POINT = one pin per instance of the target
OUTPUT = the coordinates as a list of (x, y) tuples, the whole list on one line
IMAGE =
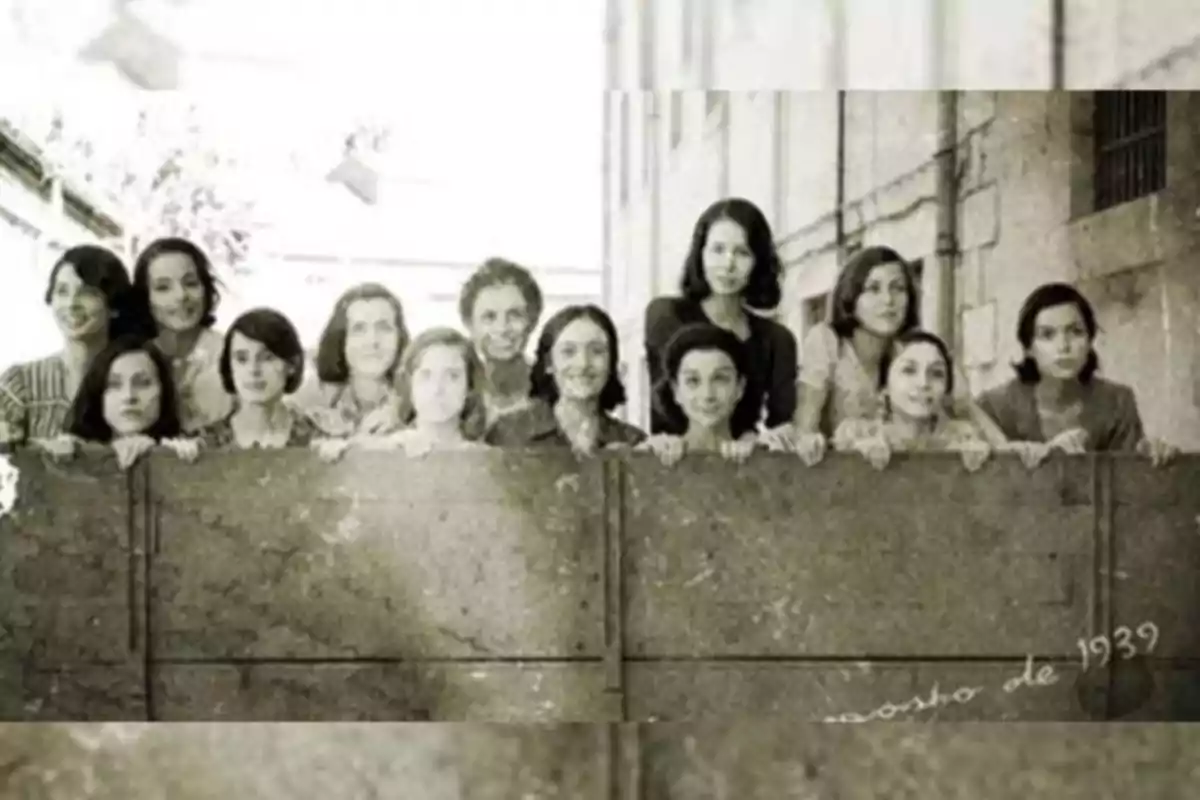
[(948, 435), (831, 363), (334, 407), (34, 401), (202, 398)]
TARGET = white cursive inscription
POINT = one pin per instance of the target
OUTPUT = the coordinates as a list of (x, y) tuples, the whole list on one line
[(1031, 678)]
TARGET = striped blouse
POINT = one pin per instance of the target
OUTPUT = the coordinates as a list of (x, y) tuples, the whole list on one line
[(950, 435), (34, 401)]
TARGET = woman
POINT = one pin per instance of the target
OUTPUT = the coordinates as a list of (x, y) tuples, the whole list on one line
[(731, 267), (1057, 401), (261, 363), (916, 377), (127, 402), (175, 288), (441, 380), (874, 301), (89, 295), (354, 392), (500, 305), (705, 368), (574, 388)]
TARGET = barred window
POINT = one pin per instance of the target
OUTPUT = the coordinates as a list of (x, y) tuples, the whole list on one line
[(1130, 130)]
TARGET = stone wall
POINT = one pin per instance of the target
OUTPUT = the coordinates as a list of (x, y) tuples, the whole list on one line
[(523, 588)]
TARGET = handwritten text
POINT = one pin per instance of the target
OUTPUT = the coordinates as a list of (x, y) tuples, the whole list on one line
[(1033, 676)]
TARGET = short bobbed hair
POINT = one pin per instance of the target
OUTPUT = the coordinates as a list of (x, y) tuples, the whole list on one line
[(275, 332), (853, 280), (691, 337), (542, 385), (332, 366), (915, 336), (204, 271), (474, 414), (103, 270), (1048, 296), (501, 272)]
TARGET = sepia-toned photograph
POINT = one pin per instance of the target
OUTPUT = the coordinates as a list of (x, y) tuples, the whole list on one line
[(606, 399)]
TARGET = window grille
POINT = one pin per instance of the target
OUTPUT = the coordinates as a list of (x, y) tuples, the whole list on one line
[(1130, 130)]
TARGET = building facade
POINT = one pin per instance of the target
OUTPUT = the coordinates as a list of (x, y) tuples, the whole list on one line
[(991, 193), (39, 219)]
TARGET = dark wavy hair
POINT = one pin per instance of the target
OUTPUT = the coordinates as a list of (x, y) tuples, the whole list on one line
[(86, 420), (332, 366), (204, 271), (695, 336), (1047, 296), (762, 290), (541, 382), (277, 333), (103, 270), (500, 272), (474, 413), (852, 281), (915, 336)]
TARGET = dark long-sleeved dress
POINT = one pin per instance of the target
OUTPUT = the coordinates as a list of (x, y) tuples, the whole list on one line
[(770, 384)]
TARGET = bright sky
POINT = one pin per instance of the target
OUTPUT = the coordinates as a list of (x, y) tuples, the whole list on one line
[(497, 105)]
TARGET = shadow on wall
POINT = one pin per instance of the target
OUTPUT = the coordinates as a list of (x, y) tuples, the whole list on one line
[(363, 580)]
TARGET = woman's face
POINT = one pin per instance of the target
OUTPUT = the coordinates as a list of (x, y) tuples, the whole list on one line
[(439, 384), (883, 303), (581, 360), (259, 376), (917, 381), (81, 311), (727, 258), (500, 322), (1060, 343), (708, 387), (176, 293), (372, 337), (133, 395)]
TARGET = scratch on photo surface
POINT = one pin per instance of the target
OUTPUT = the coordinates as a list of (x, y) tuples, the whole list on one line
[(10, 477)]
